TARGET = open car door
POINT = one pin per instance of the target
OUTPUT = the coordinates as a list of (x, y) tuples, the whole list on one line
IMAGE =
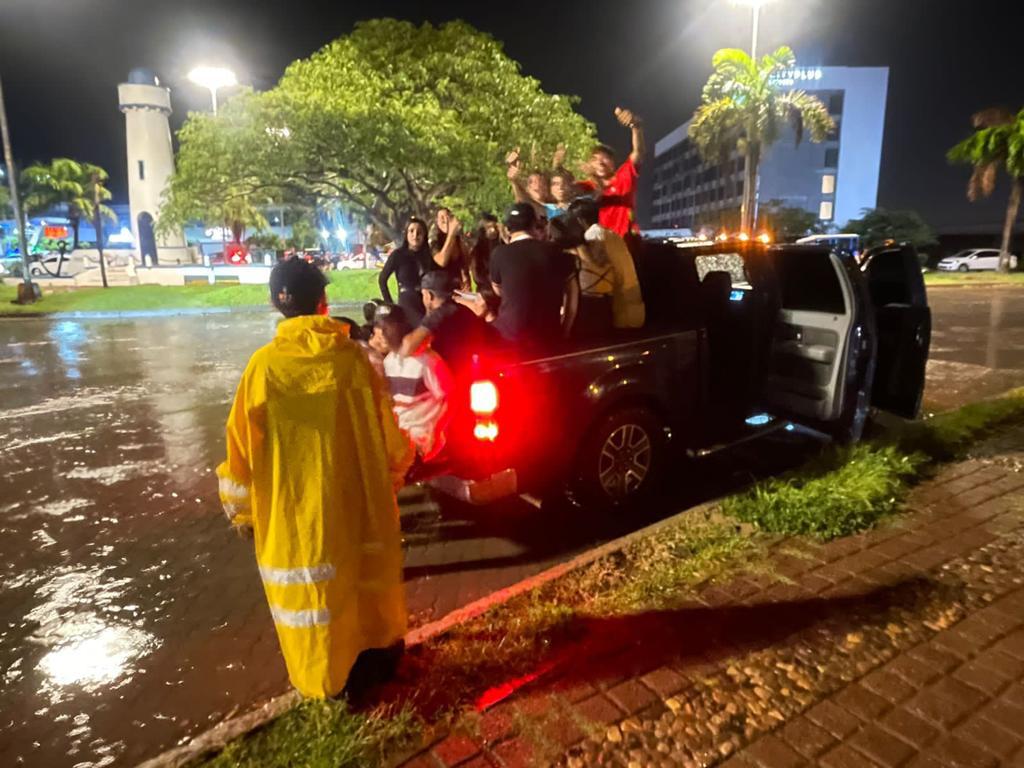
[(903, 324), (820, 348)]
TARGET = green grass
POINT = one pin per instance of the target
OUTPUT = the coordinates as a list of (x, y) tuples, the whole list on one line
[(850, 489), (350, 286), (967, 278), (321, 734)]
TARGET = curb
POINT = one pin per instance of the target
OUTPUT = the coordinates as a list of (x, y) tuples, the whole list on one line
[(929, 286), (219, 735)]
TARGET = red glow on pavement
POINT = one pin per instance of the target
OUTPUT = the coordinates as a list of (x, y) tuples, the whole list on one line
[(499, 693)]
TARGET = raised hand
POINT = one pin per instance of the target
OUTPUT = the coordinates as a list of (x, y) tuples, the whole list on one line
[(559, 159), (626, 117)]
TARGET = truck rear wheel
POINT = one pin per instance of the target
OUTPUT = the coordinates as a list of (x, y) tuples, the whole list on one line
[(622, 458)]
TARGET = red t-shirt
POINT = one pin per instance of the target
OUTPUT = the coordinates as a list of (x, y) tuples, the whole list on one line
[(618, 200)]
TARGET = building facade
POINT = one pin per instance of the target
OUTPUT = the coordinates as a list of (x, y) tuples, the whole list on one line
[(835, 179)]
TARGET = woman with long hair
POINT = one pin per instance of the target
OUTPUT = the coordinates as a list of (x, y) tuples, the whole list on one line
[(409, 263), (448, 248)]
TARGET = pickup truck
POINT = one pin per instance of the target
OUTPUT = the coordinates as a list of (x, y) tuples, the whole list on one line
[(739, 337)]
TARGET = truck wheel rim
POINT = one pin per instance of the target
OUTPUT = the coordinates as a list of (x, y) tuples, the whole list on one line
[(625, 461)]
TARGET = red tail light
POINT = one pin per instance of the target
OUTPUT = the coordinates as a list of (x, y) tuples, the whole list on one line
[(483, 398), (486, 431)]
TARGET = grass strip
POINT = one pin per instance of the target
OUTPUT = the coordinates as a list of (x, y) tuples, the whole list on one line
[(967, 278), (346, 286), (850, 489), (843, 491)]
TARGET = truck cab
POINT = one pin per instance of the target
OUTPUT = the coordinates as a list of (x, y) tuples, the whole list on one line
[(739, 336)]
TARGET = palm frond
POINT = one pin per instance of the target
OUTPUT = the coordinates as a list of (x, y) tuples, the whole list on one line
[(991, 117)]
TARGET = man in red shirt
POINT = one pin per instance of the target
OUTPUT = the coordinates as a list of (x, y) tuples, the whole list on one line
[(617, 188)]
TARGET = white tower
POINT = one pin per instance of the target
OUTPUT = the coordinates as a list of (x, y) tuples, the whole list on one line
[(146, 106)]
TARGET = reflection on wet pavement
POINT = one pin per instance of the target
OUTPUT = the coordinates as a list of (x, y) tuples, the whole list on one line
[(131, 617)]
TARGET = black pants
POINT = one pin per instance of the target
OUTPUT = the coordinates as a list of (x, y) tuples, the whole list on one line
[(411, 302)]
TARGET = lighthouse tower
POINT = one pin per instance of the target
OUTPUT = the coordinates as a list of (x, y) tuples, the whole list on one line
[(146, 106)]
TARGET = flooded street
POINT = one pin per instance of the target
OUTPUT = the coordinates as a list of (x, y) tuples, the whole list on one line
[(131, 616)]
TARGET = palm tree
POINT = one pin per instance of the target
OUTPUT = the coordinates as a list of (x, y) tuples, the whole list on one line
[(998, 142), (69, 185), (743, 109)]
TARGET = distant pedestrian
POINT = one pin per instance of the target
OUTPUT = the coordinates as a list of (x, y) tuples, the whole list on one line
[(314, 458)]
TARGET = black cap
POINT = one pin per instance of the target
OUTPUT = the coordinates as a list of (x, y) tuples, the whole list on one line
[(438, 282), (296, 287), (520, 217)]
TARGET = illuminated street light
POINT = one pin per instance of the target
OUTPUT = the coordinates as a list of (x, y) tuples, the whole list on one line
[(213, 79), (325, 234), (341, 234), (755, 6)]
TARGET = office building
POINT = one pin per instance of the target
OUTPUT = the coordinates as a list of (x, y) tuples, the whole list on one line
[(835, 179)]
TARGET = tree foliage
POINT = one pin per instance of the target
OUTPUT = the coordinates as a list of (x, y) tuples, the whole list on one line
[(787, 223), (743, 110), (877, 225), (996, 145), (390, 120), (68, 185)]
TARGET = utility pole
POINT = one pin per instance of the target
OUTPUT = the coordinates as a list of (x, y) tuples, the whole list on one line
[(27, 290), (98, 218)]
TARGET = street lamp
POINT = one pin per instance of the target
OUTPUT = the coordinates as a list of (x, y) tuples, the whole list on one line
[(755, 7), (213, 78)]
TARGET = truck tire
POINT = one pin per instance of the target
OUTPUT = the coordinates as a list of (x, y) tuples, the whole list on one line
[(622, 458)]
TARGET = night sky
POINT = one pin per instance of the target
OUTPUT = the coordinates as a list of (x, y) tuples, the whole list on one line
[(61, 61)]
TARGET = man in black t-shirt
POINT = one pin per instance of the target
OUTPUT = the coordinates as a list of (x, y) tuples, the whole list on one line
[(452, 330), (536, 281)]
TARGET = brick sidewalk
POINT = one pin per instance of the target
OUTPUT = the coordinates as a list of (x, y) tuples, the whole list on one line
[(903, 646)]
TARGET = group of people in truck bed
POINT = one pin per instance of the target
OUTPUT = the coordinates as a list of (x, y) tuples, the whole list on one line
[(316, 448)]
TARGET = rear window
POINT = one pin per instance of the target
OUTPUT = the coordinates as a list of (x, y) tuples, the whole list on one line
[(808, 282), (722, 262)]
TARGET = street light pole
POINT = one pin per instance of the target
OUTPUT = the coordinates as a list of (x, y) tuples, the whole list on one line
[(27, 292), (753, 36)]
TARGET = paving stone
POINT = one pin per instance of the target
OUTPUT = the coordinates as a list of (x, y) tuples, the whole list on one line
[(881, 746), (981, 677), (772, 752), (632, 696), (599, 710), (515, 753), (1004, 714), (861, 702), (664, 681), (939, 709), (496, 725), (957, 753), (889, 686), (985, 735), (805, 737), (909, 727), (845, 756), (426, 760), (834, 719), (455, 749), (1012, 645), (936, 658), (915, 672)]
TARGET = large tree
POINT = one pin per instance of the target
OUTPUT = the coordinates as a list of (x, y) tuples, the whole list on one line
[(67, 185), (787, 223), (743, 109), (390, 120), (877, 225), (997, 144)]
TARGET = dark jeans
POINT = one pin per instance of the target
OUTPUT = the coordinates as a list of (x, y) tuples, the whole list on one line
[(594, 318)]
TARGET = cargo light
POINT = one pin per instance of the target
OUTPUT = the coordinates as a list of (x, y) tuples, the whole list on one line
[(483, 398), (486, 431), (722, 237), (744, 237), (765, 238)]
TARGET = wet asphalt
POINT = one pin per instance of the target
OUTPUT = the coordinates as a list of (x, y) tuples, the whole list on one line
[(131, 617)]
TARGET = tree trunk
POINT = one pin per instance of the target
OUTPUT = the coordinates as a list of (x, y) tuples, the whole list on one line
[(749, 210), (75, 223), (12, 180), (1012, 208)]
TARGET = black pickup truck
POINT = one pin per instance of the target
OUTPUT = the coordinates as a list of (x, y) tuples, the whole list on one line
[(739, 337)]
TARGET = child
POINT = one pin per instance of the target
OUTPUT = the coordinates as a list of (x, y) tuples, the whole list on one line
[(420, 385)]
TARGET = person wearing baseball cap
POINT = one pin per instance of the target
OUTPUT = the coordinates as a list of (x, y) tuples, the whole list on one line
[(314, 458), (451, 329), (536, 281)]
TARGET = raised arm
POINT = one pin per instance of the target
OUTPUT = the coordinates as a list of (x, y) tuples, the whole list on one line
[(636, 125), (451, 243), (513, 165)]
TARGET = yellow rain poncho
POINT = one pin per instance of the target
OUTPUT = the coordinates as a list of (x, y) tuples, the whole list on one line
[(314, 457)]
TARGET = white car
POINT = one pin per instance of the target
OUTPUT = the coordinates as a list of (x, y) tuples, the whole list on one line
[(974, 260)]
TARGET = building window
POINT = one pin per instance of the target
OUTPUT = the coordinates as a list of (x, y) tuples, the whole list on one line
[(142, 170), (825, 210), (835, 104), (828, 184), (831, 158)]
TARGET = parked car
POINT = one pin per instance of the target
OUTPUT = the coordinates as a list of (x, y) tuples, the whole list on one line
[(974, 260), (740, 338)]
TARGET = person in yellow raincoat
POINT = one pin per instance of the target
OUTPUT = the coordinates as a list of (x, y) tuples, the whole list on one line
[(314, 459)]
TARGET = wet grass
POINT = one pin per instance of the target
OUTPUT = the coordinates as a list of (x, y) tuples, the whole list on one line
[(349, 286), (322, 734), (969, 278), (847, 490)]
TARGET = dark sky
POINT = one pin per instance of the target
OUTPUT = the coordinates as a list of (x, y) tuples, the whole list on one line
[(61, 61)]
